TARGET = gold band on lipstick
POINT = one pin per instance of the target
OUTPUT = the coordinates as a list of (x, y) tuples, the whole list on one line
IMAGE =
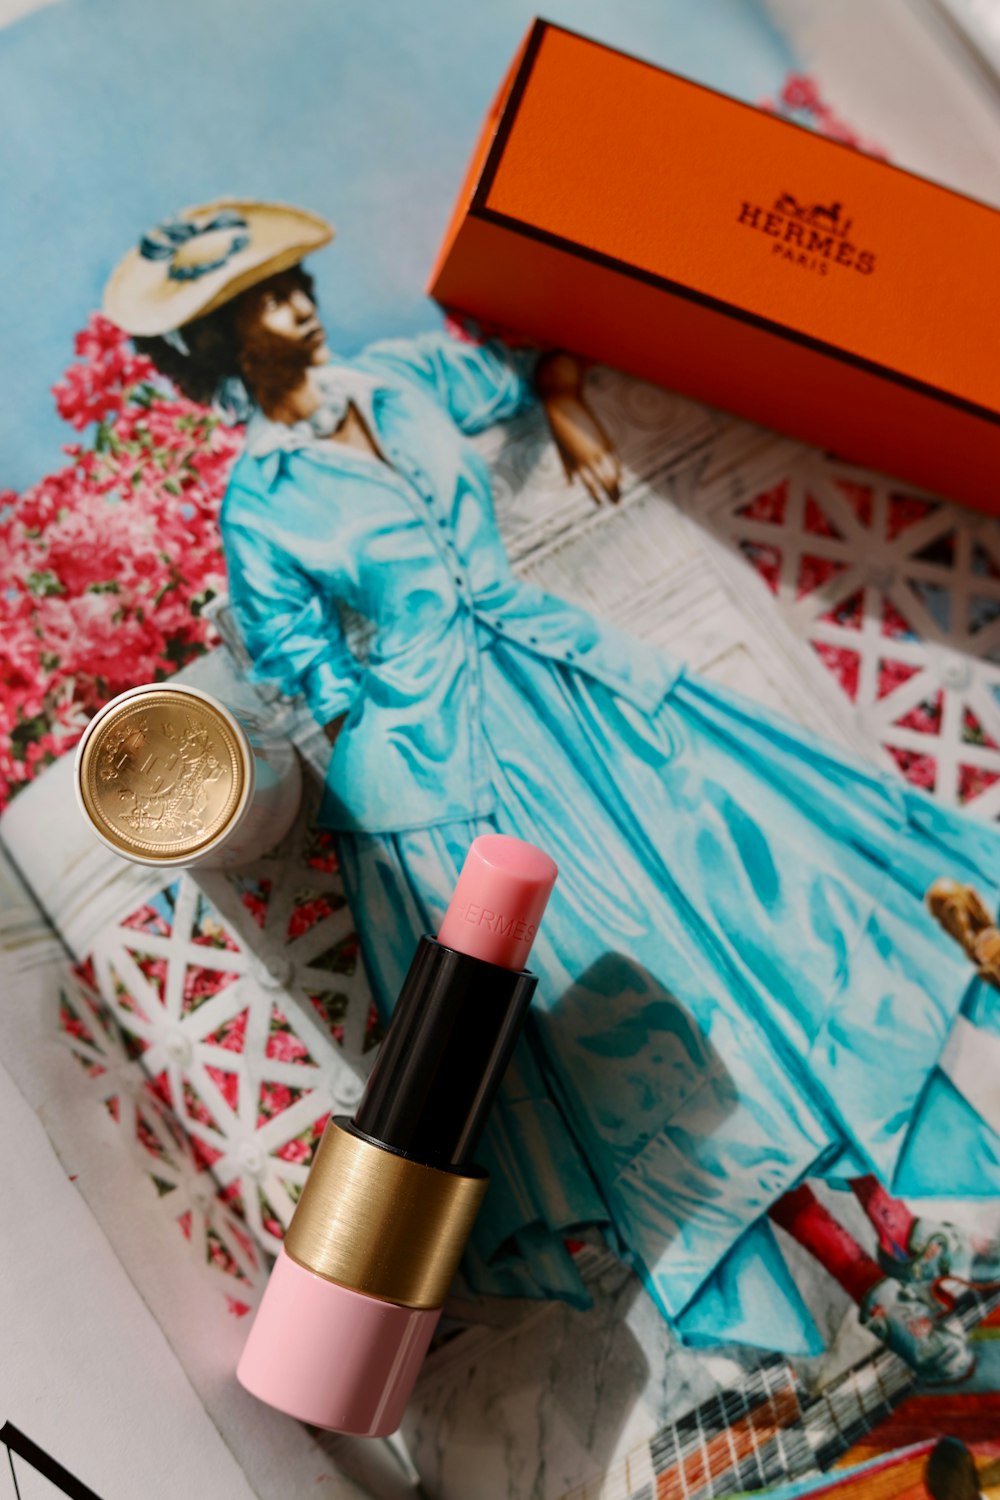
[(381, 1223)]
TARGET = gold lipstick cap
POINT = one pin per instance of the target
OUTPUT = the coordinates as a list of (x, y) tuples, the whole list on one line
[(164, 774)]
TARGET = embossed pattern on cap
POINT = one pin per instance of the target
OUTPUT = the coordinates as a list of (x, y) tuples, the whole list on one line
[(162, 773)]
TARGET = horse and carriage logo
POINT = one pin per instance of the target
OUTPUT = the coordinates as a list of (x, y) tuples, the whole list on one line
[(816, 215)]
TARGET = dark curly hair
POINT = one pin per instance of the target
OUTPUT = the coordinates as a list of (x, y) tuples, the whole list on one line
[(213, 344)]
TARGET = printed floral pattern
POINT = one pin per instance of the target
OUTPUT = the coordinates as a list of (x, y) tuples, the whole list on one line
[(107, 564), (801, 100)]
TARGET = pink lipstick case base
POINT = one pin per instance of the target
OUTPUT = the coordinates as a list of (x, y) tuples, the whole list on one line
[(355, 1371)]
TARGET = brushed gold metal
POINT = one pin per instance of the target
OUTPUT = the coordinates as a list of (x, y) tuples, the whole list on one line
[(379, 1223), (163, 774)]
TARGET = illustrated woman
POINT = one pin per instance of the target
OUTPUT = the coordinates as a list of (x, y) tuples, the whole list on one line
[(741, 985)]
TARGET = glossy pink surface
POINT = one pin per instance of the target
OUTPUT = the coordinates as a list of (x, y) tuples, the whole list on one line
[(499, 900), (333, 1357)]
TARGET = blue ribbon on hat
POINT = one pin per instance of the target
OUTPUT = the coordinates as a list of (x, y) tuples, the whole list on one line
[(164, 240)]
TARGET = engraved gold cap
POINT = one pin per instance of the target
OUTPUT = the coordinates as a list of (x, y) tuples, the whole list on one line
[(381, 1223), (164, 773)]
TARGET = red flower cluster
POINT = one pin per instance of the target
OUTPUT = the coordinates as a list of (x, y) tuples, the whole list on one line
[(800, 100), (97, 387), (106, 565)]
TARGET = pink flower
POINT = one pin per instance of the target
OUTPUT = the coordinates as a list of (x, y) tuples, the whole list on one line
[(892, 674), (919, 770), (155, 971), (800, 97), (205, 1156), (305, 916), (285, 1046), (147, 919), (159, 1087), (973, 732), (219, 1255), (815, 571), (79, 402), (769, 505), (108, 370), (148, 1137), (274, 1097), (800, 92), (255, 902), (845, 665), (233, 1034), (924, 717), (73, 1026), (100, 338), (201, 984), (295, 1151), (84, 971), (320, 851), (973, 781), (228, 1085)]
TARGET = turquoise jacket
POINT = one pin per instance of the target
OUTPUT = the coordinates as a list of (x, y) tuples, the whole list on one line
[(411, 545)]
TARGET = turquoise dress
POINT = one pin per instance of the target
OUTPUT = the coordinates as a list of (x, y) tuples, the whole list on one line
[(740, 984)]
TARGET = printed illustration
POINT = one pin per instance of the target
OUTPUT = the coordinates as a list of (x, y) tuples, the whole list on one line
[(799, 943), (740, 1076)]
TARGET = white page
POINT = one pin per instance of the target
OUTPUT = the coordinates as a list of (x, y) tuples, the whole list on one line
[(87, 1373)]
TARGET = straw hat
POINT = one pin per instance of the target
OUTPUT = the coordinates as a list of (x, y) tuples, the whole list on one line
[(202, 257)]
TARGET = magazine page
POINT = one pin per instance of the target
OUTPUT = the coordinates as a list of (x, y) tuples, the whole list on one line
[(74, 1318), (742, 1226), (219, 1019)]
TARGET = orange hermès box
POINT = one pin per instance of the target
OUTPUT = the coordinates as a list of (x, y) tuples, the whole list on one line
[(645, 221)]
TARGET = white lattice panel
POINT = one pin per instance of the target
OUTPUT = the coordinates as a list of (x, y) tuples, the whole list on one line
[(221, 1022), (897, 596)]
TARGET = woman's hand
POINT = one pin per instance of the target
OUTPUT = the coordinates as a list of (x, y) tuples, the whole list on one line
[(333, 729), (583, 444)]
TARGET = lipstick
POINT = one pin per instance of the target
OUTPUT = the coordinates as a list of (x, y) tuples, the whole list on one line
[(358, 1286)]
